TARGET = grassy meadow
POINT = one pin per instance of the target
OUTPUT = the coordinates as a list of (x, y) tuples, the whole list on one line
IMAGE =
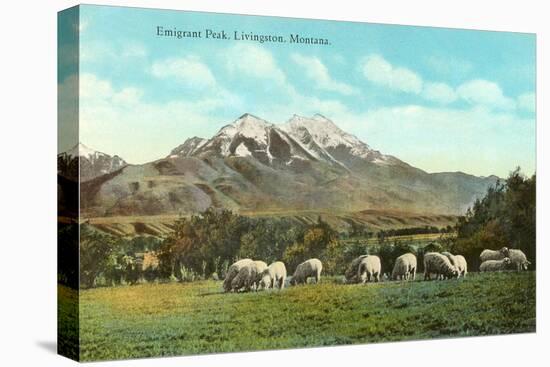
[(149, 320)]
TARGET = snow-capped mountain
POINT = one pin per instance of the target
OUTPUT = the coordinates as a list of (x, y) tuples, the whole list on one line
[(301, 138), (248, 136), (325, 133), (251, 165), (321, 135), (92, 163)]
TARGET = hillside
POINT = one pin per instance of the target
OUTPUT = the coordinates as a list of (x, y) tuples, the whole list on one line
[(253, 166), (160, 225)]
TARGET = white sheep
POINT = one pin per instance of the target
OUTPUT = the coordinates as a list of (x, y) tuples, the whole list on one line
[(458, 261), (248, 276), (493, 255), (243, 280), (232, 272), (274, 275), (259, 268), (461, 265), (450, 256), (309, 268), (440, 265), (351, 271), (495, 265), (405, 267), (518, 258), (369, 269)]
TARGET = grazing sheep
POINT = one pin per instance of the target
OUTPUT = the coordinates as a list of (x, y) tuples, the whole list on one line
[(309, 268), (494, 255), (243, 280), (274, 275), (495, 265), (232, 273), (248, 276), (461, 265), (450, 256), (351, 272), (458, 261), (436, 263), (518, 258), (405, 267), (369, 269), (260, 267)]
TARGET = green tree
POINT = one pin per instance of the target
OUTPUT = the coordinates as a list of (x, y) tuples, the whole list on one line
[(505, 216), (316, 240), (95, 248)]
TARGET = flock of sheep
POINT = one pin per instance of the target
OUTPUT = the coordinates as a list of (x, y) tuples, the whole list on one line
[(502, 259), (248, 274)]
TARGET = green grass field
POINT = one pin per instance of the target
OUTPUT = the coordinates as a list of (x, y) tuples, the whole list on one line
[(188, 318)]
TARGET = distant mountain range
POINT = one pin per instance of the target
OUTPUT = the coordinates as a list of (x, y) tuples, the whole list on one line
[(92, 163), (251, 165)]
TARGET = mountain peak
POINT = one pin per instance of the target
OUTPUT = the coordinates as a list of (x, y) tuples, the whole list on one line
[(248, 115), (314, 123), (81, 150), (190, 146), (318, 116), (91, 163), (248, 126), (250, 120), (324, 131)]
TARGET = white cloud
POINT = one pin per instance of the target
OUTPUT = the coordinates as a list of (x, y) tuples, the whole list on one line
[(527, 102), (484, 92), (475, 140), (97, 52), (253, 61), (379, 71), (189, 70), (93, 89), (449, 66), (108, 112), (420, 118), (317, 71), (439, 92), (133, 50), (476, 92)]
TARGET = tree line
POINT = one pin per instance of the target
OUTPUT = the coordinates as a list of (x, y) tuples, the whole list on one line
[(504, 217)]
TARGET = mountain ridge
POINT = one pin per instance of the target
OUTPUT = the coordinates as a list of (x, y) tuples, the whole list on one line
[(252, 165), (317, 136), (86, 163)]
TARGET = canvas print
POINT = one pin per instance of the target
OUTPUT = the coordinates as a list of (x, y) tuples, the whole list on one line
[(238, 183)]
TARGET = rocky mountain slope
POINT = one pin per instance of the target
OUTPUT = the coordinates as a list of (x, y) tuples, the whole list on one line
[(252, 165)]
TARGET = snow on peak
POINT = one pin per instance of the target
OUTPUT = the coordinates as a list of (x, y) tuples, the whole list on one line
[(251, 126), (81, 150), (190, 146), (247, 126), (317, 135), (325, 132)]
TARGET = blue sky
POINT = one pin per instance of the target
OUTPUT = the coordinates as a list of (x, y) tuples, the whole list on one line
[(439, 99)]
